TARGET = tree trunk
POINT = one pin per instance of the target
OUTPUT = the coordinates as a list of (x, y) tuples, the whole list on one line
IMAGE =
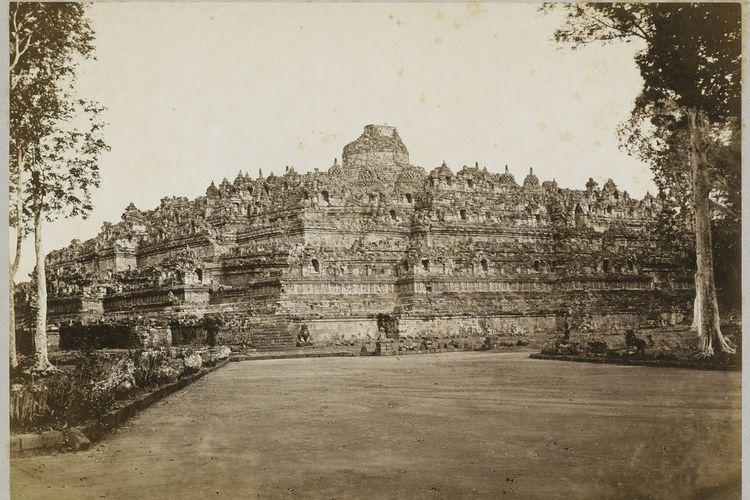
[(40, 335), (11, 301), (696, 308), (706, 314), (12, 324), (15, 263)]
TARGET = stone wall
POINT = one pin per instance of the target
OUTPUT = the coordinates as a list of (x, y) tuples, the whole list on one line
[(445, 254)]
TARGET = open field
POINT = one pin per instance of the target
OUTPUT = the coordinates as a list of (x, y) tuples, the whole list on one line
[(459, 425)]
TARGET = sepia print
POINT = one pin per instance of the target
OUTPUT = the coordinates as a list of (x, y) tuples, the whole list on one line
[(374, 250)]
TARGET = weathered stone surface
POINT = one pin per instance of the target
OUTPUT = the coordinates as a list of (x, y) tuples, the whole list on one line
[(77, 440), (193, 362), (31, 441), (15, 443), (375, 248), (221, 352), (52, 439)]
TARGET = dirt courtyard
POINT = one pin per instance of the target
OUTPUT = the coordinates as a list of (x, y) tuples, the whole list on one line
[(458, 425)]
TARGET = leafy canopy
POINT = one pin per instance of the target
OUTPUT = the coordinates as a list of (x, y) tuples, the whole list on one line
[(55, 135)]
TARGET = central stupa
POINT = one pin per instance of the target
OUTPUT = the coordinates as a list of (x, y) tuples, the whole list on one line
[(379, 151)]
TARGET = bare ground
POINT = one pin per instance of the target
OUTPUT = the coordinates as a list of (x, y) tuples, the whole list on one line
[(459, 425)]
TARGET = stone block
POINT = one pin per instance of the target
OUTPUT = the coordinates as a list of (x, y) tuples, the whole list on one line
[(193, 362), (31, 441), (15, 443), (53, 439), (78, 439)]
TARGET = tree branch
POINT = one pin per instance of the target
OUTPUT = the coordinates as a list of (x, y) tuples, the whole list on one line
[(17, 39), (720, 184), (614, 28), (718, 207), (21, 52)]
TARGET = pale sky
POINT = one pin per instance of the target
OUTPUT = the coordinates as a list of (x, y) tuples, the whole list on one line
[(196, 92)]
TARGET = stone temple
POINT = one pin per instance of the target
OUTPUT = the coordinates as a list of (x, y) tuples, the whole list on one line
[(373, 248)]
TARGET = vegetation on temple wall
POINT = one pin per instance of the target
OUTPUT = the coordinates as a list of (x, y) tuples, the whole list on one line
[(684, 124)]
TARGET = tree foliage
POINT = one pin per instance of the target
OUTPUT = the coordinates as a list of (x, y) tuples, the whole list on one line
[(684, 124), (55, 136)]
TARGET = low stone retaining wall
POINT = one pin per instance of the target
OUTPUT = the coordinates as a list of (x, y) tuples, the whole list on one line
[(81, 437), (665, 363), (290, 355), (387, 349)]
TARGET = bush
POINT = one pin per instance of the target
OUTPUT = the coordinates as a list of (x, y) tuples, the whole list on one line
[(151, 368), (65, 398), (88, 391), (82, 394), (27, 404)]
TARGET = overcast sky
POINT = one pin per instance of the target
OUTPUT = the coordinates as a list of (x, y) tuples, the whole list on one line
[(196, 92)]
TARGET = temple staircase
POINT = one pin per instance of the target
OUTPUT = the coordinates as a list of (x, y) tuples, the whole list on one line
[(274, 336)]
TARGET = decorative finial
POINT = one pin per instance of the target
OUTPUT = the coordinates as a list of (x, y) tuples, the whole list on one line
[(531, 170), (476, 164), (260, 173), (444, 164), (506, 168)]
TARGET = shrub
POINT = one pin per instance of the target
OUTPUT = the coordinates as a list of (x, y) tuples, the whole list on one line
[(148, 366), (68, 398), (28, 403), (80, 395), (88, 391)]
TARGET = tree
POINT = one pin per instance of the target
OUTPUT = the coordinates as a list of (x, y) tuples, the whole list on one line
[(55, 137), (683, 120)]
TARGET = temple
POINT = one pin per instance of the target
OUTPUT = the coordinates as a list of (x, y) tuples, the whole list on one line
[(374, 248)]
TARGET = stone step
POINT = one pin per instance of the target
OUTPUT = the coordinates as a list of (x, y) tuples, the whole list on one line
[(274, 336)]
